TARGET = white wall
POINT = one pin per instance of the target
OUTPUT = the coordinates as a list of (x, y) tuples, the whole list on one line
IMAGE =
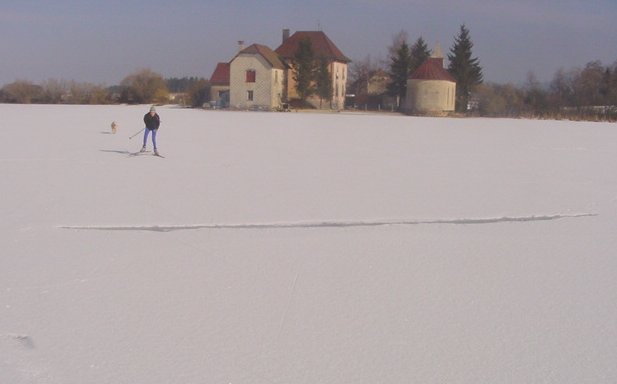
[(430, 96), (267, 88)]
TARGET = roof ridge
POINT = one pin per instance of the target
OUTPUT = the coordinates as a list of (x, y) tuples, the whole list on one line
[(321, 43), (266, 52)]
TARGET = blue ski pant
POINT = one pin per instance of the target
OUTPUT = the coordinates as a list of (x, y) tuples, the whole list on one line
[(146, 133)]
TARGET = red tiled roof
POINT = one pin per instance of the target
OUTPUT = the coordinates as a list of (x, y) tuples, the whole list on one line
[(432, 69), (271, 57), (321, 44), (220, 76)]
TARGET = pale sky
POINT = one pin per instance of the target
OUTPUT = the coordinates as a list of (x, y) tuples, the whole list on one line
[(104, 41)]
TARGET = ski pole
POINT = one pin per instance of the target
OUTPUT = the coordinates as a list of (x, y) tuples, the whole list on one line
[(140, 131)]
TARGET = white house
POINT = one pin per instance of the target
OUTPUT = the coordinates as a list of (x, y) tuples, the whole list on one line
[(256, 78)]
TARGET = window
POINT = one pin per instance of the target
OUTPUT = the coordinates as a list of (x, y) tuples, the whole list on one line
[(250, 76), (249, 95)]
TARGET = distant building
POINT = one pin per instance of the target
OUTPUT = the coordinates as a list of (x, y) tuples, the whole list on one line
[(371, 92), (256, 79), (430, 88), (378, 83), (260, 78), (322, 47)]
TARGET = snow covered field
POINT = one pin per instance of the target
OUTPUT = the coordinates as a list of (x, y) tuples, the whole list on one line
[(305, 248)]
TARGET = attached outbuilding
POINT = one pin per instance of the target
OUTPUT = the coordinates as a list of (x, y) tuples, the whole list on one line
[(431, 90), (219, 85)]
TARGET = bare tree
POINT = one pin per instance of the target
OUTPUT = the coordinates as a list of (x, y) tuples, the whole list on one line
[(360, 74), (54, 91), (536, 100), (87, 93), (588, 84), (22, 92), (499, 100), (199, 93), (562, 89), (144, 86), (402, 37)]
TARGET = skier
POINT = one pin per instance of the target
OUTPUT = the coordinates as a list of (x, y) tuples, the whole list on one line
[(152, 121)]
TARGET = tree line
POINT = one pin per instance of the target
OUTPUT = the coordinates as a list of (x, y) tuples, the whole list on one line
[(144, 86), (588, 93), (576, 93)]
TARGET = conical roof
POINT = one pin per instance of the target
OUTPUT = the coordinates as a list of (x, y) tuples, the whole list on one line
[(432, 69)]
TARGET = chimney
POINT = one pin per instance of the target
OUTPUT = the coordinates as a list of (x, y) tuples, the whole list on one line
[(285, 34), (240, 45)]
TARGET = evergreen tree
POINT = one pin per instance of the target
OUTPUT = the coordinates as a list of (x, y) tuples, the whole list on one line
[(399, 71), (304, 69), (419, 54), (605, 87), (465, 69), (612, 91), (324, 81)]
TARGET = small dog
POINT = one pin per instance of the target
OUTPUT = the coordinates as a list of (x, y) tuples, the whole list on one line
[(114, 126)]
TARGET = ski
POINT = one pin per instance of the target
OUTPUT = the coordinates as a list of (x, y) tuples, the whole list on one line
[(144, 153), (139, 153)]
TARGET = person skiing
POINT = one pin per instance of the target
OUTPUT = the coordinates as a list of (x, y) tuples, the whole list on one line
[(152, 121)]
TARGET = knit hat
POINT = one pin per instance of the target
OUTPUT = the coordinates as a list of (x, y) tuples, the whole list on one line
[(152, 109)]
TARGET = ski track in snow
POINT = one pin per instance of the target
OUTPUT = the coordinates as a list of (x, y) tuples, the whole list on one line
[(326, 224), (24, 340)]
